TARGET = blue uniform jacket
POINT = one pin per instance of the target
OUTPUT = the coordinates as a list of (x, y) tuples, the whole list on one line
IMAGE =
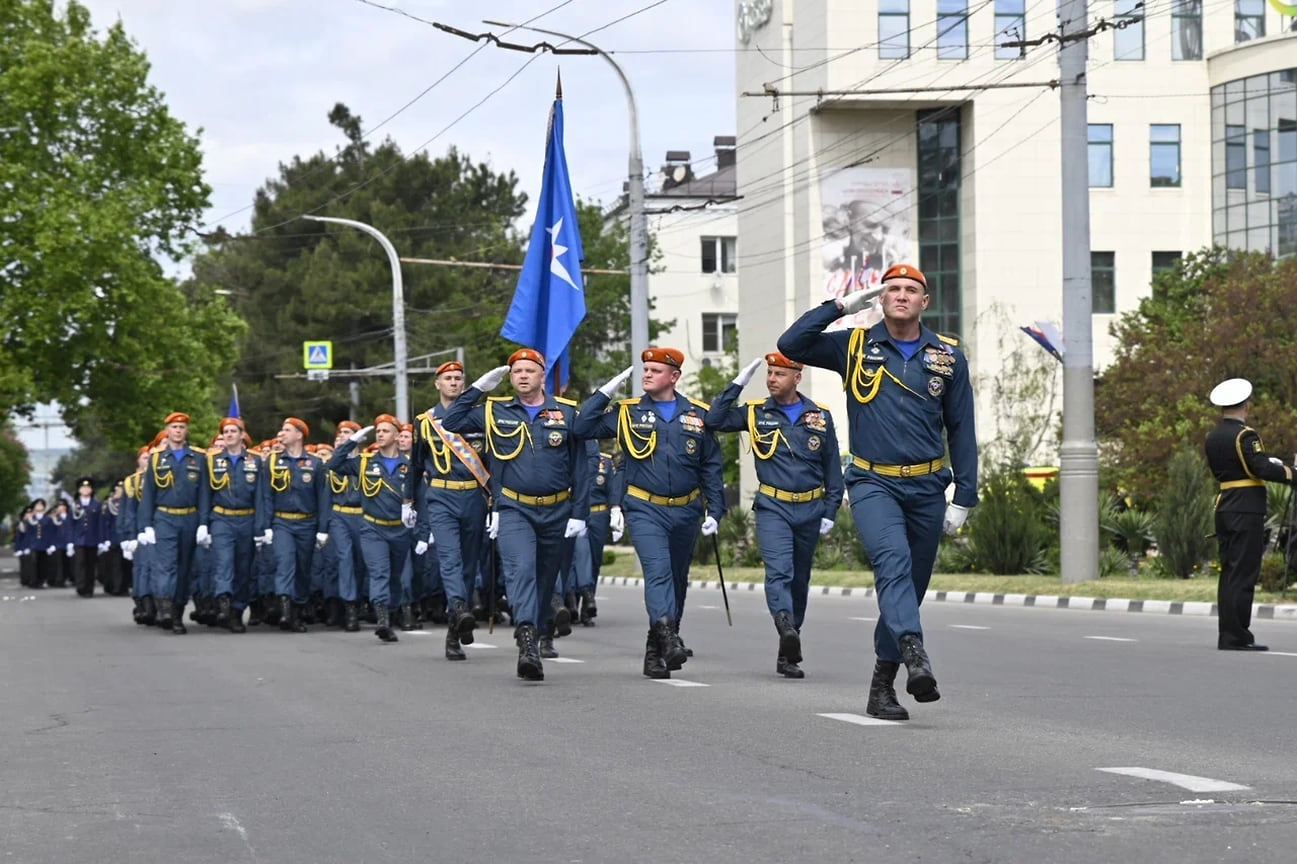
[(296, 486), (794, 457), (434, 459), (344, 489), (382, 492), (531, 457), (236, 484), (83, 523), (609, 482), (108, 516), (671, 458), (173, 479), (897, 410)]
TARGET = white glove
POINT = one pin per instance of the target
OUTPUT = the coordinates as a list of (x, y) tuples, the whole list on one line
[(51, 550), (71, 550), (432, 539), (826, 525), (955, 516), (421, 547), (617, 523), (147, 537), (128, 550), (854, 302), (268, 537), (492, 379), (493, 524), (575, 528), (710, 526), (203, 537), (359, 435), (616, 381), (1277, 461), (321, 540), (105, 546), (746, 373)]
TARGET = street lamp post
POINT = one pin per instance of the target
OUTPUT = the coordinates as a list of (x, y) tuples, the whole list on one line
[(639, 319), (398, 312)]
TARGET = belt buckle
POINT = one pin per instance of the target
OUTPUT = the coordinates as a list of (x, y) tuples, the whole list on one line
[(905, 470)]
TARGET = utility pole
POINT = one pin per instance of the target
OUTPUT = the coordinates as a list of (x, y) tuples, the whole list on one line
[(353, 389), (1079, 455)]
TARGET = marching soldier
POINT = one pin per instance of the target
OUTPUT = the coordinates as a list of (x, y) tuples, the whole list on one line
[(451, 489), (83, 536), (799, 473), (25, 543), (140, 556), (1241, 467), (539, 487), (235, 479), (908, 397), (344, 531), (324, 606), (297, 494), (175, 492), (674, 488), (111, 568)]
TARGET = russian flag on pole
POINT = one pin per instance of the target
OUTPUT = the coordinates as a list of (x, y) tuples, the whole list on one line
[(549, 301)]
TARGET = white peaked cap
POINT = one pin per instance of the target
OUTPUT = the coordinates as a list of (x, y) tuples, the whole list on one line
[(1234, 391)]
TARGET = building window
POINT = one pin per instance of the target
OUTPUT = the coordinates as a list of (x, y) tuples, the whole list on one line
[(1100, 150), (1235, 157), (718, 254), (1186, 30), (1010, 26), (1164, 154), (894, 29), (1165, 261), (1261, 160), (1249, 20), (1103, 283), (720, 330), (1128, 41), (938, 191), (952, 29)]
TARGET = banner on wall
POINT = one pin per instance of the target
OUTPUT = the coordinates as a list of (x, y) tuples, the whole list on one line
[(865, 221)]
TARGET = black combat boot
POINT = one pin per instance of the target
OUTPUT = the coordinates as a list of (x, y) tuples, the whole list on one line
[(546, 647), (463, 622), (136, 613), (453, 649), (407, 617), (148, 611), (562, 617), (788, 668), (198, 613), (299, 617), (256, 612), (921, 683), (178, 619), (285, 608), (272, 611), (236, 621), (529, 665), (368, 612), (207, 614), (589, 611), (384, 623), (673, 654), (437, 609), (675, 632), (223, 611), (163, 619), (790, 641), (333, 612), (352, 621), (882, 695), (653, 665), (479, 607), (573, 605)]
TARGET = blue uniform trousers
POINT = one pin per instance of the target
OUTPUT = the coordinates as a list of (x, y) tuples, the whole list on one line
[(344, 537), (173, 554), (899, 521), (324, 572), (787, 534), (141, 572), (232, 558), (426, 581), (531, 552), (457, 519), (294, 548), (204, 573), (587, 574), (386, 550), (664, 540), (263, 569)]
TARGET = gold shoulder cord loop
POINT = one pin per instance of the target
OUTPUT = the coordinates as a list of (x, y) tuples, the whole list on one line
[(629, 436), (280, 478), (157, 478), (763, 444), (369, 487), (864, 384), (217, 485), (338, 482), (436, 447), (522, 433)]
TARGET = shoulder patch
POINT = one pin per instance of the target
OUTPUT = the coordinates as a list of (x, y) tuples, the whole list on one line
[(949, 340), (565, 401), (821, 406)]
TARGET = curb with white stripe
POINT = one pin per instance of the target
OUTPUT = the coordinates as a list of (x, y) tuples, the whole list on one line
[(1286, 612)]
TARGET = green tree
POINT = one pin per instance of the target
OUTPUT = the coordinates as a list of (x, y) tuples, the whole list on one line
[(15, 471), (1218, 315)]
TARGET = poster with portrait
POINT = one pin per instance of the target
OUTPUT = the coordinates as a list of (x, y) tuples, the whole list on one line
[(865, 222)]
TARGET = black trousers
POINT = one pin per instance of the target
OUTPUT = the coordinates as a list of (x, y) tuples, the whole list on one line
[(27, 570), (84, 559), (1241, 540)]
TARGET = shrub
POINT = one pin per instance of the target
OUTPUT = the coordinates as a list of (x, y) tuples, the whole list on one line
[(1184, 515), (1113, 563), (1272, 572), (609, 556), (1008, 531)]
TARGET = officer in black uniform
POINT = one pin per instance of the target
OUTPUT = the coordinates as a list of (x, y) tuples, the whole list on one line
[(1242, 467)]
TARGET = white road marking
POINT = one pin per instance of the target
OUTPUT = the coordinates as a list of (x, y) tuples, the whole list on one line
[(859, 719), (1184, 781), (967, 627), (709, 607), (1282, 653), (479, 645), (680, 682), (1110, 639), (231, 822), (566, 660), (862, 619)]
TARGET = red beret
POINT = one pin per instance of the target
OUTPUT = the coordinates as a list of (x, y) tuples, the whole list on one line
[(348, 426), (300, 424), (774, 358), (451, 366), (527, 354), (231, 421), (906, 271), (176, 417), (669, 356), (388, 419)]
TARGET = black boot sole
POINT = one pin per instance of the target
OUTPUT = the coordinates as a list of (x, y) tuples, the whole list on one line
[(923, 687), (674, 659), (386, 635), (900, 714), (530, 670), (467, 624), (657, 673), (562, 622)]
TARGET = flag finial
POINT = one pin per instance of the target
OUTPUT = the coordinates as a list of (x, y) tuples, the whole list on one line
[(558, 85)]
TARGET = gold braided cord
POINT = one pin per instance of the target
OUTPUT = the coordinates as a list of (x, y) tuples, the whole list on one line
[(439, 451), (337, 482), (280, 478), (629, 436), (522, 433), (371, 488), (157, 478), (863, 382), (217, 485), (763, 444)]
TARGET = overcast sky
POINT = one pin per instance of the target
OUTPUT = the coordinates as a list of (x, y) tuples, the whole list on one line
[(259, 77)]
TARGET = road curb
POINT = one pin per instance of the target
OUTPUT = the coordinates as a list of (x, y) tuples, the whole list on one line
[(1277, 611)]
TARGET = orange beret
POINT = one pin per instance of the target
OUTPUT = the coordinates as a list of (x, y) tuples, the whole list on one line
[(157, 439), (452, 366), (247, 440), (388, 419), (323, 448), (527, 354), (348, 426), (407, 427), (231, 421), (140, 452), (300, 424), (176, 417), (371, 447), (310, 448), (906, 271), (774, 358), (670, 356)]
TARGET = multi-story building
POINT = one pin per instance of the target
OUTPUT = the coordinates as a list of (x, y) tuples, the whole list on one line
[(905, 130)]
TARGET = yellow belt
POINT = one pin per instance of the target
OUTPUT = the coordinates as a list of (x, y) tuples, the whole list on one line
[(177, 511), (1240, 484), (226, 511), (280, 514), (538, 500), (899, 470), (795, 497), (386, 523), (598, 508), (349, 510), (453, 484), (645, 495)]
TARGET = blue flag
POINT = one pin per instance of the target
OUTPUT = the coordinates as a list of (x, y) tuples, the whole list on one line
[(549, 301), (234, 402)]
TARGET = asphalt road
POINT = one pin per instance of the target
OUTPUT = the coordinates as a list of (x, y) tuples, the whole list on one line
[(120, 743)]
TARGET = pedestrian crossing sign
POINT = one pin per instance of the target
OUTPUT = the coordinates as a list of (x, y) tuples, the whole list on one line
[(317, 355)]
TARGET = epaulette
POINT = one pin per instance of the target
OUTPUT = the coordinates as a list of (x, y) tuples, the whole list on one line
[(634, 400), (157, 449), (565, 401), (701, 404), (822, 406), (498, 398), (949, 340), (753, 403)]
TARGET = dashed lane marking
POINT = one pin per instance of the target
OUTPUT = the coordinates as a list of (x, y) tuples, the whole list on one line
[(566, 660), (1184, 781), (968, 627), (680, 682), (1282, 653), (480, 645), (709, 607), (1110, 639), (862, 619), (859, 719)]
